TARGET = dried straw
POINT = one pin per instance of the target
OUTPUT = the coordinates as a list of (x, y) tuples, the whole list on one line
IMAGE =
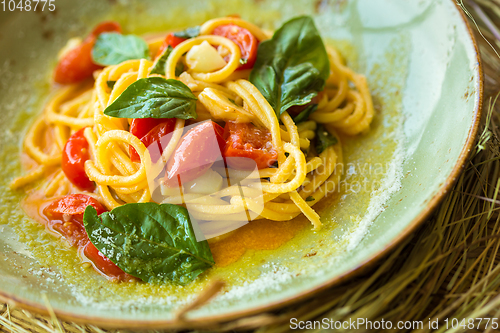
[(448, 269)]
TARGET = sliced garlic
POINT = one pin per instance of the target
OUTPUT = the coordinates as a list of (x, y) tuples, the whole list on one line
[(208, 183), (170, 191), (204, 58)]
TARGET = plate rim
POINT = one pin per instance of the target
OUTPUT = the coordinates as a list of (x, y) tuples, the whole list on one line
[(202, 322)]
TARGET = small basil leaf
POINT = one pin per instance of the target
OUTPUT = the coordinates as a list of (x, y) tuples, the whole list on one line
[(153, 242), (188, 33), (324, 139), (310, 198), (154, 97), (291, 67), (110, 84), (159, 65), (113, 48), (179, 68), (304, 115)]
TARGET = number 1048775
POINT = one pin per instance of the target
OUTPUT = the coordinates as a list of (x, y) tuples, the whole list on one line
[(27, 5)]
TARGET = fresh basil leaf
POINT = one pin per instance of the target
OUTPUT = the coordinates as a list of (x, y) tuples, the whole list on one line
[(159, 65), (324, 139), (310, 198), (188, 33), (110, 84), (179, 68), (304, 115), (113, 48), (154, 97), (153, 242), (291, 67)]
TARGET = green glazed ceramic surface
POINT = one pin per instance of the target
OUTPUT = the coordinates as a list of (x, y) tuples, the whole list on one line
[(425, 76)]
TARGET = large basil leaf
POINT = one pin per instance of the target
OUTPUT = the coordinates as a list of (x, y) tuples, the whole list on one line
[(153, 242), (113, 48), (154, 97), (324, 139), (292, 67)]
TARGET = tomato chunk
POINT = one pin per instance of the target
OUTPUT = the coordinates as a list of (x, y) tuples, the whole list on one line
[(106, 26), (170, 40), (74, 155), (244, 39), (246, 140), (197, 151), (149, 131), (73, 204), (65, 216), (103, 264), (77, 64)]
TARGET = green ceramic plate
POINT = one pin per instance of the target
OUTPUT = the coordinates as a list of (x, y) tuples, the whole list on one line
[(423, 69)]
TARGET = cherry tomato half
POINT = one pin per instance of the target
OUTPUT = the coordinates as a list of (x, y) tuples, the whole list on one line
[(74, 155), (150, 130), (77, 64), (246, 140), (103, 264), (65, 216), (106, 26), (170, 40), (198, 149), (244, 39)]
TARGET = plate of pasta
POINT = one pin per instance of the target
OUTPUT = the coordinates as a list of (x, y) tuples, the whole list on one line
[(253, 153)]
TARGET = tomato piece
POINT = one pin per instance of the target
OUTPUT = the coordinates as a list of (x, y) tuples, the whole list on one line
[(77, 64), (106, 26), (170, 40), (246, 140), (150, 130), (73, 204), (102, 263), (141, 126), (198, 149), (65, 216), (74, 155), (244, 39)]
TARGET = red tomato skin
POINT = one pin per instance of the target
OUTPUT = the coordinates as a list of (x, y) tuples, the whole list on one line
[(170, 40), (150, 130), (102, 263), (65, 215), (74, 155), (77, 64), (73, 204), (199, 148), (246, 140), (106, 26), (244, 39)]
